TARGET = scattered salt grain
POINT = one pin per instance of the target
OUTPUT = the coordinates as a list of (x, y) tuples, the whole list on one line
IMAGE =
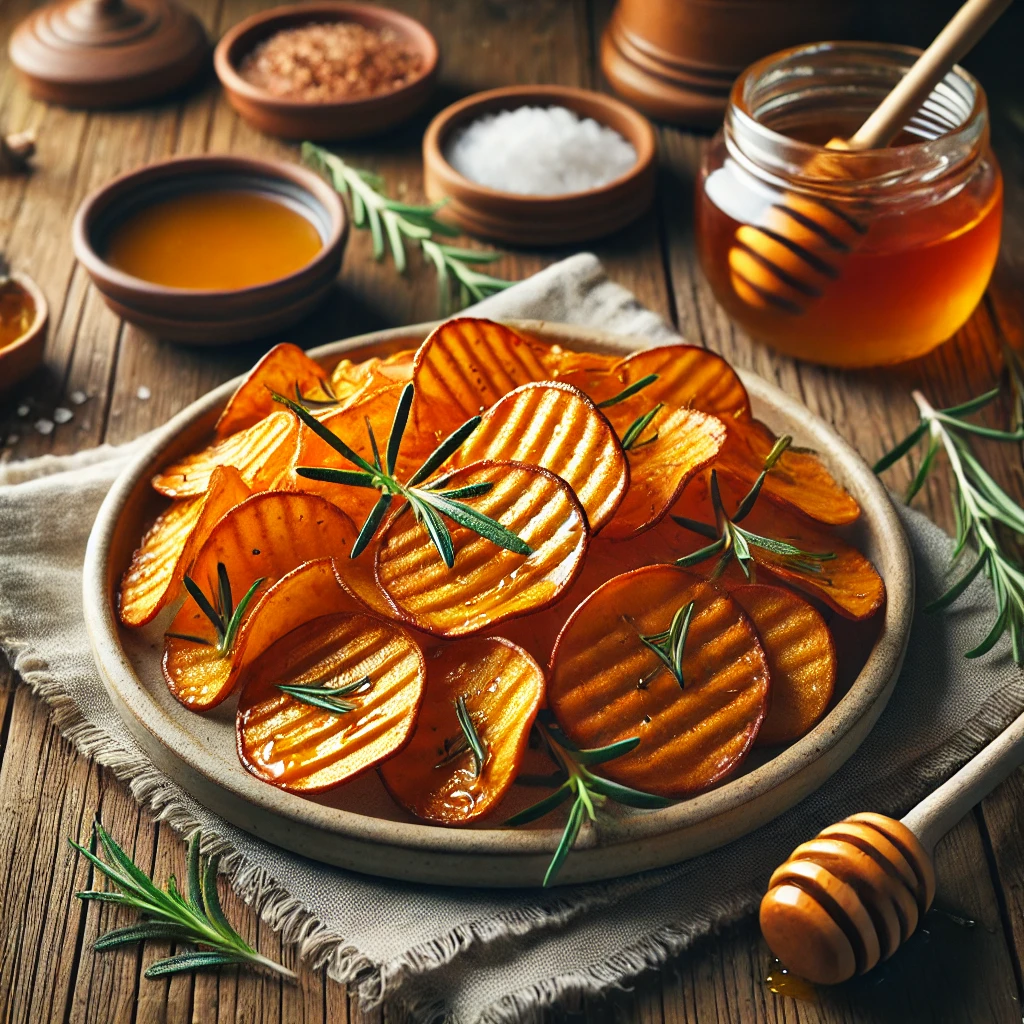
[(44, 426), (12, 440), (23, 411), (144, 394), (78, 397), (539, 151), (62, 415)]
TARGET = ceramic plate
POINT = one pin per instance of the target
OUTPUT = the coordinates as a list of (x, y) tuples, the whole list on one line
[(358, 826)]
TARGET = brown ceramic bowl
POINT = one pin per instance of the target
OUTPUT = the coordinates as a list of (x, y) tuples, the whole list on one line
[(23, 355), (210, 317), (541, 220), (324, 122)]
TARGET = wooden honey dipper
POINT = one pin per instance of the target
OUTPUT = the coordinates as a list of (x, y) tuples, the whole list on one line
[(853, 894), (799, 245)]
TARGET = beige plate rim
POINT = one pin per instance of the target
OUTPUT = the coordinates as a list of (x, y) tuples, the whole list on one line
[(498, 856)]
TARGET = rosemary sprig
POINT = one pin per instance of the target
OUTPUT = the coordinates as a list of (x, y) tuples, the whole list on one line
[(670, 644), (587, 790), (468, 741), (225, 617), (395, 221), (631, 438), (311, 402), (429, 502), (981, 508), (196, 920), (628, 392), (730, 540), (330, 698)]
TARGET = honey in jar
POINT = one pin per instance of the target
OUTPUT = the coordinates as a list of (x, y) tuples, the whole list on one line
[(905, 237), (211, 241)]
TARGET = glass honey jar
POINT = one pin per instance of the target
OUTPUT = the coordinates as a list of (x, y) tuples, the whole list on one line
[(850, 259)]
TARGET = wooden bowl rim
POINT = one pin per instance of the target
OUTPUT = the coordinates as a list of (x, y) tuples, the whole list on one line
[(413, 31), (201, 167), (640, 132), (726, 810)]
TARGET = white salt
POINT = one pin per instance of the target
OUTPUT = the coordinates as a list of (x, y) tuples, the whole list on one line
[(62, 415), (541, 151), (79, 397), (12, 439), (23, 411), (44, 426), (144, 394)]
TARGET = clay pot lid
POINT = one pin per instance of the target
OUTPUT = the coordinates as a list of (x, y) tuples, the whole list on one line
[(108, 53)]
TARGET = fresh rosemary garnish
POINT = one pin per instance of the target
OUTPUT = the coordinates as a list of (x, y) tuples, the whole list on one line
[(730, 540), (981, 509), (196, 920), (628, 392), (456, 278), (467, 742), (330, 698), (589, 791), (222, 613), (429, 502), (631, 438), (670, 645)]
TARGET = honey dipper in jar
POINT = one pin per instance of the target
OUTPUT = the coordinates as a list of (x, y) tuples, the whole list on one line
[(847, 240)]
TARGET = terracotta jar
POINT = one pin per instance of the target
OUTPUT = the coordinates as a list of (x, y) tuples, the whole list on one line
[(677, 59)]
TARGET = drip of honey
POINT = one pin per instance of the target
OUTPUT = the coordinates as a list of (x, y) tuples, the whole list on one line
[(782, 983), (212, 241), (910, 284), (17, 311)]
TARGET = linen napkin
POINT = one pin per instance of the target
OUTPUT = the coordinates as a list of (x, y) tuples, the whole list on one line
[(489, 956)]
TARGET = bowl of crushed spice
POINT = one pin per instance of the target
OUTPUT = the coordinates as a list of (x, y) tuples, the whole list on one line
[(327, 70), (540, 164)]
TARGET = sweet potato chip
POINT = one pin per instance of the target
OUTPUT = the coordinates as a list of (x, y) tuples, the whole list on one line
[(607, 684), (688, 377), (464, 367), (577, 368), (488, 583), (847, 582), (328, 701), (799, 478), (556, 427), (438, 776), (262, 539), (283, 369), (261, 453), (676, 444), (801, 659), (170, 544)]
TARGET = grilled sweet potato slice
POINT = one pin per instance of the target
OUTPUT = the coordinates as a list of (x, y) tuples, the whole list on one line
[(262, 539), (354, 682), (799, 478), (801, 659), (260, 453), (487, 583), (170, 544), (676, 444), (465, 366), (606, 684), (283, 369), (438, 776), (556, 427), (847, 582), (688, 377)]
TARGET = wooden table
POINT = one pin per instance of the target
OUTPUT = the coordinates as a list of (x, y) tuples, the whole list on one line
[(954, 972)]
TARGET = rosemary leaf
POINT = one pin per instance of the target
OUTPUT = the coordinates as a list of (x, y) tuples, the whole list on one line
[(628, 392)]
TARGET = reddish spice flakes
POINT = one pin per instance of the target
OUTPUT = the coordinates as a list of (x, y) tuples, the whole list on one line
[(338, 60)]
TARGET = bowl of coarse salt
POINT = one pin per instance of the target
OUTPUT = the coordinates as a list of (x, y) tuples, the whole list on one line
[(540, 165)]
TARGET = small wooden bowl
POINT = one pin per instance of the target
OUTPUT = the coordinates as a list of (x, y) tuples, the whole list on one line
[(324, 122), (541, 220), (200, 317), (22, 356)]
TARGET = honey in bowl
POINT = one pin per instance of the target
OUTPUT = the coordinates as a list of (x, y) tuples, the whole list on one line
[(920, 219), (213, 241), (17, 312)]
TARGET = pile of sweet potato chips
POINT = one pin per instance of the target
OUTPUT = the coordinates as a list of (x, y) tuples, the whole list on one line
[(395, 564)]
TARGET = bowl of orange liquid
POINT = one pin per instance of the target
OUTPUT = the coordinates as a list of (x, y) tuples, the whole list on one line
[(848, 258), (213, 249)]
